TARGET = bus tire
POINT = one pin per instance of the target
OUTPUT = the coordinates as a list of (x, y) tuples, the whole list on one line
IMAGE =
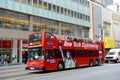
[(91, 63), (60, 66), (97, 63)]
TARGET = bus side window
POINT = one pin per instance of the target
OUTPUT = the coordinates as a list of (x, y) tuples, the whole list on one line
[(48, 35), (49, 54)]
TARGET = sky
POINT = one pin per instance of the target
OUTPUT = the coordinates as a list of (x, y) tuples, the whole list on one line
[(117, 1)]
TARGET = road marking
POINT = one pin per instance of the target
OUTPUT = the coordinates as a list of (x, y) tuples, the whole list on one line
[(34, 75), (24, 77), (41, 74)]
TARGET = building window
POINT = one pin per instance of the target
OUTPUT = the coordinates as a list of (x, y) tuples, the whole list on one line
[(81, 17), (54, 8), (72, 14), (14, 20), (86, 34), (58, 9), (40, 4), (35, 3), (67, 29), (45, 24), (17, 0), (65, 11), (88, 18), (61, 10), (23, 1), (49, 7), (45, 5), (75, 14), (78, 15), (69, 12), (78, 1), (29, 2)]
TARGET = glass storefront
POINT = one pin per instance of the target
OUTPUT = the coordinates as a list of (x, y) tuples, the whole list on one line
[(5, 51), (10, 52), (19, 21), (67, 29), (13, 20), (45, 24)]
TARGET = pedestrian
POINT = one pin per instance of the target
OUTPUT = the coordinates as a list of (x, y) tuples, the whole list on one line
[(5, 60)]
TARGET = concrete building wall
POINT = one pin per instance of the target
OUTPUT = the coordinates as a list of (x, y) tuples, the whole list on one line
[(116, 28), (116, 25), (97, 21), (30, 8), (13, 34), (107, 21)]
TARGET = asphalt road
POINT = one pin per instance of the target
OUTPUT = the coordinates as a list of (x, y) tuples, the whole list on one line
[(104, 72)]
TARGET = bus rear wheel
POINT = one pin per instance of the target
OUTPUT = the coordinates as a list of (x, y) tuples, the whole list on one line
[(97, 63), (91, 63), (60, 66)]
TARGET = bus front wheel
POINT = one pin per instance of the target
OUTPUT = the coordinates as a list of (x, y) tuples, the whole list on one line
[(60, 66)]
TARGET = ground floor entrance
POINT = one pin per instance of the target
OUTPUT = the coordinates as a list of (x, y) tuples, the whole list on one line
[(13, 51)]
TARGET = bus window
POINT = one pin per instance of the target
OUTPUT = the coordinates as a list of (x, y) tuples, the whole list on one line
[(35, 37), (48, 35), (35, 54), (49, 54)]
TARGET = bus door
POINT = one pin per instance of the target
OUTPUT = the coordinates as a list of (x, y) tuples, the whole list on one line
[(50, 60)]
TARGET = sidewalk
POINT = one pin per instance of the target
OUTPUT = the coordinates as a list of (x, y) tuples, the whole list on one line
[(12, 67)]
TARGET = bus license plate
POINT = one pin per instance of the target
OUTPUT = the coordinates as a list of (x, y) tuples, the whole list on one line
[(31, 68)]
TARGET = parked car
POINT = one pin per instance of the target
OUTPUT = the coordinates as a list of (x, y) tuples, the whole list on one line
[(113, 56)]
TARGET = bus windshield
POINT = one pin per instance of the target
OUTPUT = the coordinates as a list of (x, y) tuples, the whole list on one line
[(35, 54), (35, 39)]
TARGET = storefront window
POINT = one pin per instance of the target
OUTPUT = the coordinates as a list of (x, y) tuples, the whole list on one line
[(5, 51), (67, 29), (45, 24)]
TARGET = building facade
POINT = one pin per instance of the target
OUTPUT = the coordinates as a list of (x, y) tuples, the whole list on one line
[(114, 7), (96, 21), (109, 41), (116, 28), (109, 2), (18, 18), (102, 25), (106, 24)]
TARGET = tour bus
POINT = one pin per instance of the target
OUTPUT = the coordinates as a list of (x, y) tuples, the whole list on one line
[(47, 51)]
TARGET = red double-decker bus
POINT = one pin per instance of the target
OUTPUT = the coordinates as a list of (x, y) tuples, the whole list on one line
[(48, 52)]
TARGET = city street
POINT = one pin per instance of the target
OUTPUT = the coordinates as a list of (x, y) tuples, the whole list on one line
[(38, 36), (106, 72)]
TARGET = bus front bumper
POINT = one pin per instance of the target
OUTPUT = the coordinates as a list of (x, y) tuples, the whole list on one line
[(34, 68)]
